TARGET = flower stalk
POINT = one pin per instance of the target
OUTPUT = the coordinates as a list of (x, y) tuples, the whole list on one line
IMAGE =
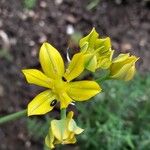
[(12, 117), (63, 113), (102, 79)]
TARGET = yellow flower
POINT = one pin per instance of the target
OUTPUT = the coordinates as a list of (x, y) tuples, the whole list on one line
[(97, 51), (123, 67), (62, 131), (58, 81)]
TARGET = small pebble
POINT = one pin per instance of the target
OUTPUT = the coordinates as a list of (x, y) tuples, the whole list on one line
[(42, 38), (143, 42), (28, 144), (118, 2), (13, 41), (126, 47), (69, 29), (41, 23), (31, 43), (43, 4), (58, 2), (71, 19), (31, 13), (33, 52)]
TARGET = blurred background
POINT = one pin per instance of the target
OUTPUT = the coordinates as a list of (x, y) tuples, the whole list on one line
[(118, 118)]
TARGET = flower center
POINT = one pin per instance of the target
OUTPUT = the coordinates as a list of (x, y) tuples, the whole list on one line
[(59, 86)]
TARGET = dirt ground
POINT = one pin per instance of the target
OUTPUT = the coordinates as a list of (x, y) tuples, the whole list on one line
[(22, 31)]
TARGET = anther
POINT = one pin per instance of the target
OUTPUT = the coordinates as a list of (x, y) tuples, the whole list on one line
[(63, 78), (53, 103)]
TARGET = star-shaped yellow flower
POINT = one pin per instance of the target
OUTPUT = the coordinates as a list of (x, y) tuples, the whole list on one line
[(58, 82)]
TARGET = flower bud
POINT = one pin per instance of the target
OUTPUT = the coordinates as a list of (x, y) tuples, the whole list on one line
[(62, 131), (97, 51), (123, 67)]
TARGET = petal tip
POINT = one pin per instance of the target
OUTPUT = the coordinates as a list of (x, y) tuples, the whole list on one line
[(29, 113), (23, 71)]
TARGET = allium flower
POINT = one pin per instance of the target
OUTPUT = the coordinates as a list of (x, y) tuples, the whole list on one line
[(59, 83), (97, 51), (62, 131), (123, 67)]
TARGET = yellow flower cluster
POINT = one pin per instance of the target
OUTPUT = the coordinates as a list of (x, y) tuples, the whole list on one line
[(95, 53), (99, 55)]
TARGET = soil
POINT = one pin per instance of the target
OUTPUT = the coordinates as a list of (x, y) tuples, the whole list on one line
[(22, 31)]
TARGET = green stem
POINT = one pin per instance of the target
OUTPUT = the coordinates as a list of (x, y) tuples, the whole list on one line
[(13, 116), (63, 113), (102, 79)]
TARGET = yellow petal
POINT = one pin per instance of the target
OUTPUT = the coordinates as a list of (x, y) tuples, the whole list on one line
[(41, 103), (121, 58), (105, 43), (83, 90), (105, 60), (51, 61), (70, 140), (84, 47), (120, 68), (130, 73), (36, 77), (49, 140), (71, 136), (120, 74), (59, 129), (91, 62), (70, 115), (65, 100), (90, 39), (72, 126), (75, 67), (57, 141)]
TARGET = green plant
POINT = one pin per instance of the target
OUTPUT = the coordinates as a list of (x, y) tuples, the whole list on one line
[(30, 4), (37, 128), (120, 119), (92, 4), (6, 55)]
